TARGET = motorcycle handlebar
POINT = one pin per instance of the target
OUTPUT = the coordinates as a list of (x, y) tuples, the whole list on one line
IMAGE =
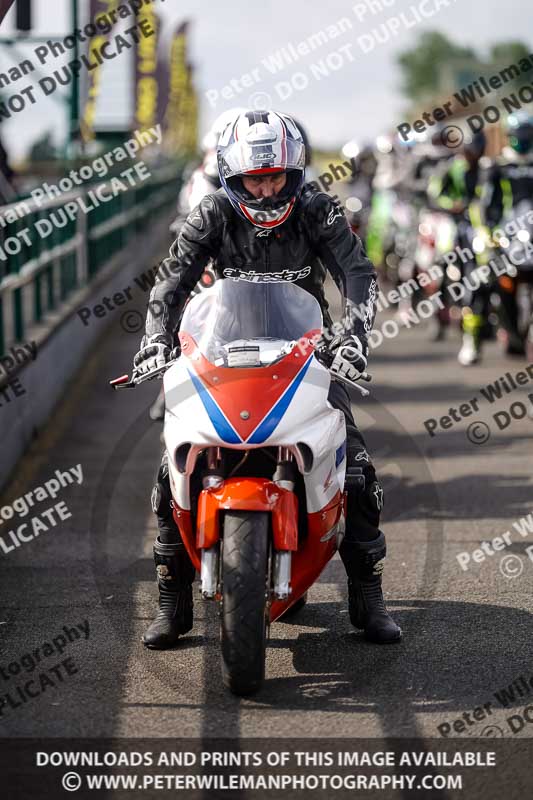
[(124, 382)]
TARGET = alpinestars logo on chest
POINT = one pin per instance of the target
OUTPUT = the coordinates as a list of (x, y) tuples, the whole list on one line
[(334, 214), (252, 276)]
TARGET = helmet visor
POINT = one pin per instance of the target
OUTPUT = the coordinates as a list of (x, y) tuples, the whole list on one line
[(270, 153)]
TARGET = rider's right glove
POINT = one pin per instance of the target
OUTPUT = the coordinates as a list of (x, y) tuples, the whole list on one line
[(351, 356), (155, 351)]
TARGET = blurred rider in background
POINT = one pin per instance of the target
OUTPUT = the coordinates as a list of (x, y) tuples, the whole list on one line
[(509, 199), (204, 179), (456, 189)]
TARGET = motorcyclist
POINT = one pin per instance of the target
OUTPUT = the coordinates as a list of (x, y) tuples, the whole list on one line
[(424, 154), (361, 190), (389, 231), (427, 155), (510, 185), (457, 185), (456, 189), (205, 180), (264, 220)]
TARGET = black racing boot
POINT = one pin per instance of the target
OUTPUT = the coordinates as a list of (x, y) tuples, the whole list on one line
[(364, 565), (175, 574)]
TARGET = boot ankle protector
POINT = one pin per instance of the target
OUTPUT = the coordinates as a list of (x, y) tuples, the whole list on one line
[(174, 568), (363, 559)]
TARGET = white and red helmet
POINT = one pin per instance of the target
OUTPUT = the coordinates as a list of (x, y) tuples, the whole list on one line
[(261, 143)]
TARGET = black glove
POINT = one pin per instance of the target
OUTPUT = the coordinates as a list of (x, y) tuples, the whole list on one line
[(154, 352)]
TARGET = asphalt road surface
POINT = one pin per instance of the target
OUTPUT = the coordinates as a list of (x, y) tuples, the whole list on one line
[(467, 633)]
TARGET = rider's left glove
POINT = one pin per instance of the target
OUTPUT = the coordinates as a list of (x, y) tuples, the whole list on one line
[(154, 352), (351, 355)]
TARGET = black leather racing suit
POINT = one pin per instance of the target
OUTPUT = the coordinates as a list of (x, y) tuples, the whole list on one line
[(315, 238)]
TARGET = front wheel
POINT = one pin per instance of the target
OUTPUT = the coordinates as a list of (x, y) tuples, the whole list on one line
[(244, 600)]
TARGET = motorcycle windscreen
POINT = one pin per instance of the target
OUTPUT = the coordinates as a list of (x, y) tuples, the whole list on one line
[(237, 310)]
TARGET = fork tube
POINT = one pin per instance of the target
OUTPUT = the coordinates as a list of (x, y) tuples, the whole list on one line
[(213, 457), (213, 476), (282, 562), (284, 474)]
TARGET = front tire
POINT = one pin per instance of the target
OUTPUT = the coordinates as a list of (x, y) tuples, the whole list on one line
[(244, 600)]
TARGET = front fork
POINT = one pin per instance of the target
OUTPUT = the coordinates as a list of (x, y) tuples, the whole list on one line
[(209, 573), (280, 560), (281, 571)]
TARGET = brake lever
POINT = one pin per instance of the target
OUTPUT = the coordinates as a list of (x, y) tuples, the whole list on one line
[(136, 379), (326, 359), (364, 392)]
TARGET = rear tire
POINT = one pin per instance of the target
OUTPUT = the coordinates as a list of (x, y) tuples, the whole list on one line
[(244, 605)]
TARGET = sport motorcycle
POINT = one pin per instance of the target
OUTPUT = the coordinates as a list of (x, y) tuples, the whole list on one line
[(256, 454)]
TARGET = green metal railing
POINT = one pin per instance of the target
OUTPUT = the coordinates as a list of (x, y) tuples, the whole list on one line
[(38, 277)]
